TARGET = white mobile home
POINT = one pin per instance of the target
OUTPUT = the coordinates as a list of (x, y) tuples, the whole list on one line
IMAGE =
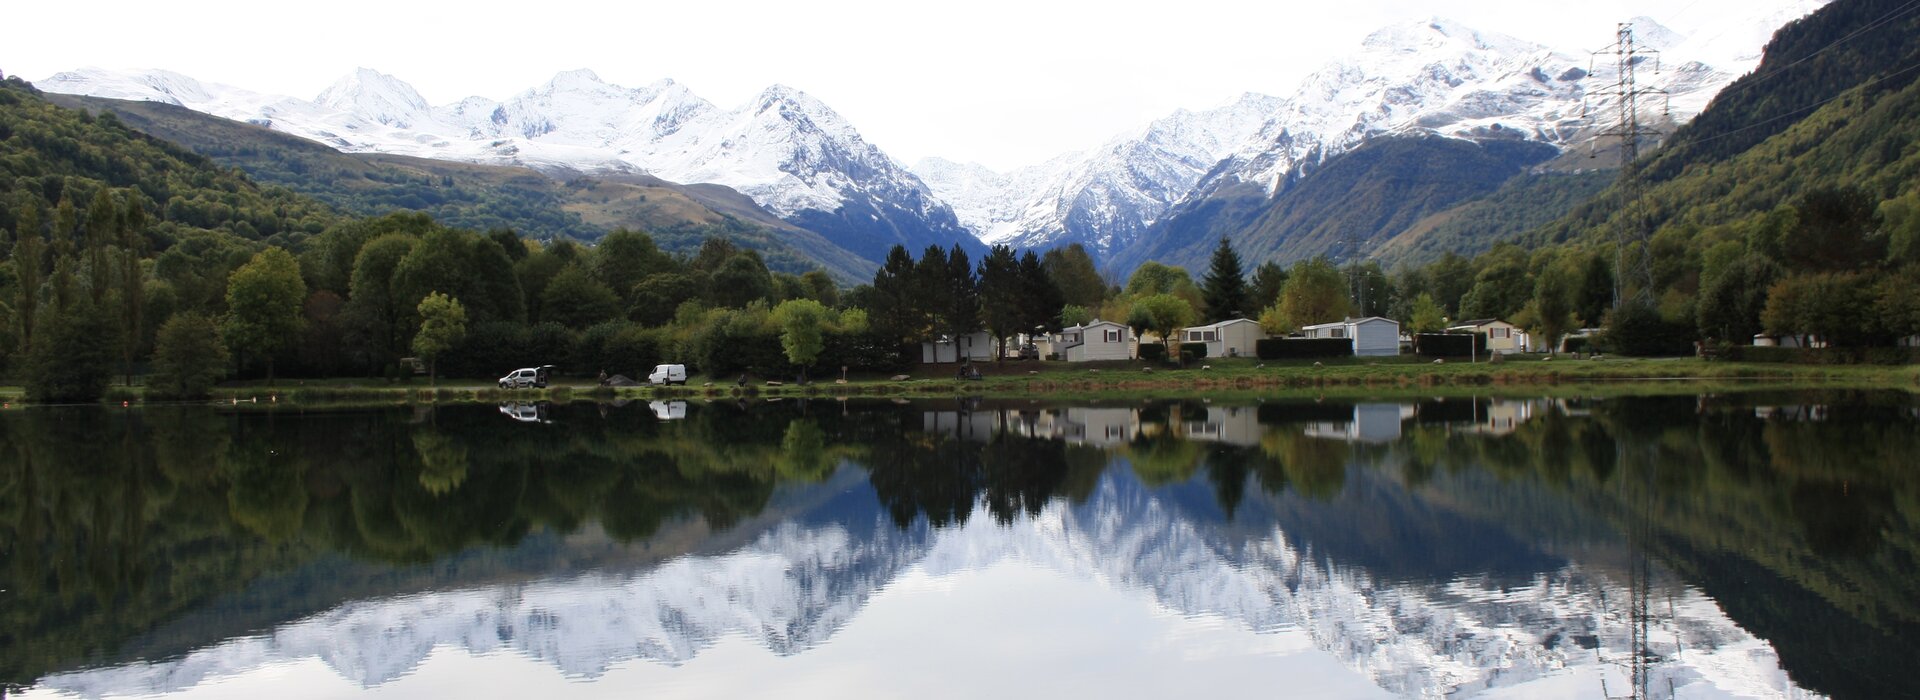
[(977, 346), (1229, 338), (1372, 336), (1502, 338), (1097, 340)]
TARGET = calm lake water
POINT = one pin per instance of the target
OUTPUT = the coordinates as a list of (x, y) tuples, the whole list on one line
[(1738, 545)]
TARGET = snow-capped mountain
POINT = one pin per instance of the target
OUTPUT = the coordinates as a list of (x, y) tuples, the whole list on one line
[(785, 149), (1102, 198), (794, 587), (1440, 77)]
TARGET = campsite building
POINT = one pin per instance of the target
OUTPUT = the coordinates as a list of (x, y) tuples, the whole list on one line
[(1229, 338), (1502, 338), (1372, 336), (1097, 340), (977, 346)]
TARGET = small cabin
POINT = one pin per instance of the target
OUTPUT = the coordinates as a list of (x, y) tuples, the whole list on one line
[(977, 346), (1229, 338), (1372, 336), (1502, 338), (1096, 340)]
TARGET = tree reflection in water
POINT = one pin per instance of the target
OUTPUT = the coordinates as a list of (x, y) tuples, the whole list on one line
[(1798, 513)]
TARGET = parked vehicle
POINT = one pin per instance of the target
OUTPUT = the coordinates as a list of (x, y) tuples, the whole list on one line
[(668, 374), (1028, 351), (529, 377)]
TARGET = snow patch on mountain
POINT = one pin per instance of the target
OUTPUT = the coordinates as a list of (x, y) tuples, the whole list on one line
[(1103, 197), (787, 150)]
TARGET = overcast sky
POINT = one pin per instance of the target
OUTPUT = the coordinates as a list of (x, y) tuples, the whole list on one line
[(1000, 82)]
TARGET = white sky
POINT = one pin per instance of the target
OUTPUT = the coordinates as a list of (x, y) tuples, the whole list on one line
[(1000, 82)]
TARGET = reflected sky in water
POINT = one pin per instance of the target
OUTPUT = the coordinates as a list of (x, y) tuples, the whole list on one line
[(1749, 545)]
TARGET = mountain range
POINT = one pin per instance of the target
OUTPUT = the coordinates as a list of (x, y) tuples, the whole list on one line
[(1499, 106)]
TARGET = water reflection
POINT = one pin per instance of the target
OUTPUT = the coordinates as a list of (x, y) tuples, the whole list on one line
[(1746, 544)]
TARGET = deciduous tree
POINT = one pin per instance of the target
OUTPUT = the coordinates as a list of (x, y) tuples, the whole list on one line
[(443, 324), (263, 306)]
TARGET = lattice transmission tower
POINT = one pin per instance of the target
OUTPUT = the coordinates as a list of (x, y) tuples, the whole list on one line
[(1633, 257)]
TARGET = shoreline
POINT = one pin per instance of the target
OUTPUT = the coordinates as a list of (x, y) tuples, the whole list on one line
[(1116, 380)]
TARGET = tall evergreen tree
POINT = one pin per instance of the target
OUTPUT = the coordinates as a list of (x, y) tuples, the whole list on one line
[(1224, 289), (890, 310), (962, 304), (1002, 295), (1073, 271), (1041, 297), (1268, 280), (929, 297)]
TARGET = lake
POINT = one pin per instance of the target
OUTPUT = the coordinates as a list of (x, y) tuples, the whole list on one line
[(1752, 544)]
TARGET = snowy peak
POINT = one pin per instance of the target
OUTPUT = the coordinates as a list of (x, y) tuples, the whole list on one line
[(1103, 197), (1439, 34), (786, 149), (377, 97)]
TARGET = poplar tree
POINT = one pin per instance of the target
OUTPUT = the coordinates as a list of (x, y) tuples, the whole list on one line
[(27, 251), (133, 284)]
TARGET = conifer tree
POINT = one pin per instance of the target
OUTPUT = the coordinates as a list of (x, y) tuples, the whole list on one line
[(1042, 298), (1002, 293), (962, 303), (1224, 289)]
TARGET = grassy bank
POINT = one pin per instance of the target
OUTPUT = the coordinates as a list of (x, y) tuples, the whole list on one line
[(1531, 375)]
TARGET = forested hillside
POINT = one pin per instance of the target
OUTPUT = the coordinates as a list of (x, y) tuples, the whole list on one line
[(1523, 204), (482, 197), (1380, 188), (1791, 206)]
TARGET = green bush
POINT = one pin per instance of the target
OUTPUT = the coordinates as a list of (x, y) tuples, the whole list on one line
[(1636, 330), (1153, 352), (1193, 350), (1449, 344)]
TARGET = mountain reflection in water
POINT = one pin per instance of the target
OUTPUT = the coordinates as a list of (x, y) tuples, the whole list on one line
[(1744, 544)]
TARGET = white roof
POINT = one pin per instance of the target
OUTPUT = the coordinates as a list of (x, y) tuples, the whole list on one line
[(1090, 324), (1220, 324), (1350, 322)]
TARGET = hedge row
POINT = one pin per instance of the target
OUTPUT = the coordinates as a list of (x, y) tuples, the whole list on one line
[(1302, 348), (1449, 344)]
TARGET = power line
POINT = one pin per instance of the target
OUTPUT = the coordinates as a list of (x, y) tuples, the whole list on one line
[(1800, 110), (1744, 84)]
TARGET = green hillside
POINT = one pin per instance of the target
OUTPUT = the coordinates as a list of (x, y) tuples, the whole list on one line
[(49, 155), (1523, 204), (1379, 189), (483, 197)]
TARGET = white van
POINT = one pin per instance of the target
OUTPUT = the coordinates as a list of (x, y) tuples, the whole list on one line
[(530, 377), (668, 374)]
